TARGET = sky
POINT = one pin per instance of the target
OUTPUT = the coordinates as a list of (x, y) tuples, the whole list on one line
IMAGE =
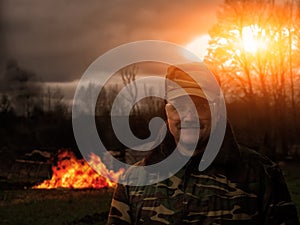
[(58, 40)]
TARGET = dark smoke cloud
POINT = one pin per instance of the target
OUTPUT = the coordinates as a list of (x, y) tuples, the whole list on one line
[(59, 39)]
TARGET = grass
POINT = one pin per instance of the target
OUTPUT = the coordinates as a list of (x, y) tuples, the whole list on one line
[(48, 207), (291, 172), (83, 207)]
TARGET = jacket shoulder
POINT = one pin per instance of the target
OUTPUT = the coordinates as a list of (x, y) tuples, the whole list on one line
[(259, 165), (250, 156)]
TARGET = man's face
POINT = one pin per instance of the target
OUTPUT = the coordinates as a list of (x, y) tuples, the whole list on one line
[(186, 128)]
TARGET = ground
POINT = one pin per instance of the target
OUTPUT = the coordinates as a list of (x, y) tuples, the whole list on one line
[(60, 207), (84, 207)]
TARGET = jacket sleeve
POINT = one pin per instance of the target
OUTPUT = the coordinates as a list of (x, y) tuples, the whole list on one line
[(120, 209), (279, 209)]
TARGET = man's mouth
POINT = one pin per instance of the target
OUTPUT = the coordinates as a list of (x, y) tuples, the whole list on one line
[(191, 127)]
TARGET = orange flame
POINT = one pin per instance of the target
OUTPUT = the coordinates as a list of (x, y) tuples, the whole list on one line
[(71, 172)]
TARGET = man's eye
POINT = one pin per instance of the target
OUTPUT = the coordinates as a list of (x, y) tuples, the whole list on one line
[(172, 108), (204, 106)]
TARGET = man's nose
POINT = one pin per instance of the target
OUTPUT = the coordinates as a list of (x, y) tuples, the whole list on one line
[(190, 115)]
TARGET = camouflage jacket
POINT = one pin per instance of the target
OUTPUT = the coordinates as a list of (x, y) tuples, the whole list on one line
[(240, 187)]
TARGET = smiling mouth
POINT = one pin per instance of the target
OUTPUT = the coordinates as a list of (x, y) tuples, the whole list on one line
[(192, 127)]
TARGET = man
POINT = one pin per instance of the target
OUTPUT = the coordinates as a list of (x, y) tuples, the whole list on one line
[(239, 187)]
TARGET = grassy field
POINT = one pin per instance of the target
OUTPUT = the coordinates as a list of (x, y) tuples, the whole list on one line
[(291, 173), (83, 207), (59, 207)]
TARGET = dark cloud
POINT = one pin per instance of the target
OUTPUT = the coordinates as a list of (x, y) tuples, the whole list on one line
[(59, 39)]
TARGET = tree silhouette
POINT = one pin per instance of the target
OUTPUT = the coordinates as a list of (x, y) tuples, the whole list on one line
[(128, 75), (5, 104), (23, 88), (254, 51)]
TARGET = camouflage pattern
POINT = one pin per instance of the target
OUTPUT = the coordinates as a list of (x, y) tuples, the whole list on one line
[(243, 190)]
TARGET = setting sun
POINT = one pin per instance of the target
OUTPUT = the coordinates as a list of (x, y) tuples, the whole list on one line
[(254, 38), (198, 45)]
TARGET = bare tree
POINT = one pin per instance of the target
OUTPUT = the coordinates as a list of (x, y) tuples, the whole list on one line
[(128, 75), (254, 50), (5, 104), (106, 99), (23, 87)]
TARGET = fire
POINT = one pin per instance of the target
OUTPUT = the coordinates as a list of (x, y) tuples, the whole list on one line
[(71, 172)]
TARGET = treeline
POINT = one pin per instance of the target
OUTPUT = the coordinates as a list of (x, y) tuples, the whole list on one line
[(254, 51), (34, 116)]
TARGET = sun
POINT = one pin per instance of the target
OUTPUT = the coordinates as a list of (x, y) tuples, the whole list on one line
[(254, 38), (198, 45)]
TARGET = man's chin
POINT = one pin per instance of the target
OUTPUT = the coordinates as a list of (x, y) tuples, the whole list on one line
[(186, 150), (189, 150), (189, 145), (193, 143), (189, 140)]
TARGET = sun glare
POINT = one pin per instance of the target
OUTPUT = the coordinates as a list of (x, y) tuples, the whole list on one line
[(198, 45), (253, 38)]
